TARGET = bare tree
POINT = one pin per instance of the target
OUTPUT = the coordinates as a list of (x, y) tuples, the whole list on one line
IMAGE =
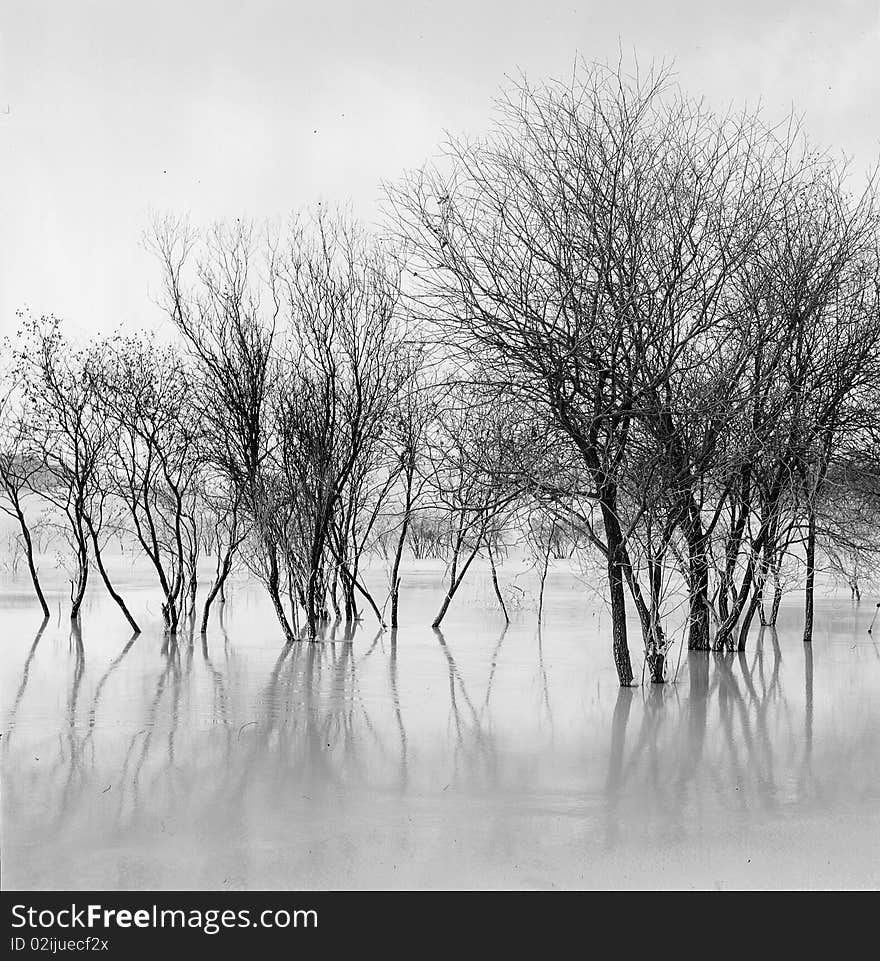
[(214, 294), (19, 474), (223, 515), (411, 419), (61, 387), (155, 460), (341, 374), (474, 463)]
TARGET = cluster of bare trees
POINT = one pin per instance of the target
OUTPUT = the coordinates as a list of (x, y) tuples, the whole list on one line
[(618, 327), (277, 439), (684, 309), (297, 426)]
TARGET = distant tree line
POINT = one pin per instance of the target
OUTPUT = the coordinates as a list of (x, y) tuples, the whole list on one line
[(619, 328)]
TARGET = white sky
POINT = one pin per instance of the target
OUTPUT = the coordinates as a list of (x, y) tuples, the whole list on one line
[(255, 108)]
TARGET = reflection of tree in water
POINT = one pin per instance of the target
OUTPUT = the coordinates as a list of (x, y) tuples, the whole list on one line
[(734, 740), (74, 739), (59, 770), (473, 745), (545, 686), (398, 711), (208, 739), (23, 683), (199, 739), (307, 731), (135, 768)]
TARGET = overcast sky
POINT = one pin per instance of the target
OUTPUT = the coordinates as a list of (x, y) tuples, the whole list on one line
[(255, 108)]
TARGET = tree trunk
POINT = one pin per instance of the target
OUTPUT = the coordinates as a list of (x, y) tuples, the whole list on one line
[(78, 589), (750, 615), (498, 593), (29, 552), (614, 541), (170, 613), (105, 578), (724, 635), (652, 633), (619, 644), (395, 596), (352, 585), (272, 586), (698, 622), (193, 583), (656, 666), (811, 576), (215, 590), (398, 554), (438, 620), (455, 579)]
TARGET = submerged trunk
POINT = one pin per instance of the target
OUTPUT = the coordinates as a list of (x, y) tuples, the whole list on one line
[(78, 586), (777, 600), (727, 595), (757, 594), (273, 588), (395, 594), (811, 576), (120, 603), (656, 661), (193, 583), (619, 645), (543, 583), (29, 553), (698, 621), (170, 613), (652, 633), (657, 642), (614, 537), (724, 635), (497, 588), (455, 578), (216, 589), (352, 585)]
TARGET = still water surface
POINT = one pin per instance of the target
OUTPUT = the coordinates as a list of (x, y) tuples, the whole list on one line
[(479, 758)]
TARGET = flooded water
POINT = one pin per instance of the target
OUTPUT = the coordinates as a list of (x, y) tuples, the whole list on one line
[(479, 758)]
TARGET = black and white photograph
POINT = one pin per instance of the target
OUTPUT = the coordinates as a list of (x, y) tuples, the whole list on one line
[(439, 451)]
